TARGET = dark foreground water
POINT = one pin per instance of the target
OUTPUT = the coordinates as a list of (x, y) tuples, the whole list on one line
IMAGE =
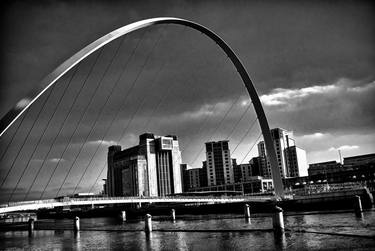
[(304, 232)]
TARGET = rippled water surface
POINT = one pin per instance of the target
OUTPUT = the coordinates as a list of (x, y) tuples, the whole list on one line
[(304, 232)]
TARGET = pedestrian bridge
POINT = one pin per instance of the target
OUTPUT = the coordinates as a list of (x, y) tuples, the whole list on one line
[(52, 203)]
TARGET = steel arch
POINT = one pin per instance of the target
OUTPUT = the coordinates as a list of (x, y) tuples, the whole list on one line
[(50, 79)]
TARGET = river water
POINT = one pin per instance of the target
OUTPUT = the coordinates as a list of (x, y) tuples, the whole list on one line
[(327, 231)]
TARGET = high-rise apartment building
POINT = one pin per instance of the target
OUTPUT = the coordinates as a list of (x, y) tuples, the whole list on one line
[(219, 164), (263, 160), (151, 168)]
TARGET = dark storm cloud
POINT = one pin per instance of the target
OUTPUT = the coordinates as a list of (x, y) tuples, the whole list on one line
[(312, 63), (343, 105), (280, 43)]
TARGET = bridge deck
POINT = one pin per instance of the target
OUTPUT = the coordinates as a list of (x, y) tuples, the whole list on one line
[(52, 203)]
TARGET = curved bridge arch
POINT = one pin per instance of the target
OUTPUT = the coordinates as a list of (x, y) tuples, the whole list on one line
[(50, 79)]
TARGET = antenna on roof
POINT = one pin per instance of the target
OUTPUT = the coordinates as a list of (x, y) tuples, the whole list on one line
[(340, 155)]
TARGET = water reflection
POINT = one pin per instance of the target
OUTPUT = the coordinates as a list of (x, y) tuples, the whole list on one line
[(359, 214), (30, 239), (148, 237), (181, 241), (280, 240), (77, 244)]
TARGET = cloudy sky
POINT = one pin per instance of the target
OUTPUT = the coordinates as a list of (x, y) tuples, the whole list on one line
[(312, 63)]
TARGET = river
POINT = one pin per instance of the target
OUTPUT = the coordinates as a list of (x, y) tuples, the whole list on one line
[(322, 230)]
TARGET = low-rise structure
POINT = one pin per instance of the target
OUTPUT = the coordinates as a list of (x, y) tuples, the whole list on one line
[(324, 167), (254, 185), (359, 160)]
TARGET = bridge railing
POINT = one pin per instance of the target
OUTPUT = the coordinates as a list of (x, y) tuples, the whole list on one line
[(20, 203), (134, 198), (171, 198)]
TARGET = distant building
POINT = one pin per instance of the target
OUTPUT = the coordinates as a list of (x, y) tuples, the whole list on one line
[(219, 165), (324, 167), (184, 178), (114, 175), (263, 160), (203, 175), (193, 177), (359, 160), (356, 172), (105, 187), (246, 172), (237, 172), (243, 172), (151, 168), (255, 167), (255, 184), (291, 160)]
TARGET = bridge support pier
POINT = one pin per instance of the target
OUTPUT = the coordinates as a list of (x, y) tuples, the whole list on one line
[(123, 216), (247, 211), (30, 226), (76, 224), (358, 206), (173, 214), (148, 223), (278, 220)]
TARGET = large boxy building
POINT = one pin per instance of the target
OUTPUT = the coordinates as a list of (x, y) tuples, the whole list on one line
[(151, 168)]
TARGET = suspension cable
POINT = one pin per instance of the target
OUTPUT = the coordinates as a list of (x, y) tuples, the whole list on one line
[(217, 127), (97, 115), (208, 115), (162, 98), (168, 92), (152, 86), (246, 134), (97, 148), (132, 116), (79, 182), (128, 123), (206, 119), (27, 136), (256, 141), (66, 118), (48, 124), (39, 140), (14, 134), (238, 122)]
